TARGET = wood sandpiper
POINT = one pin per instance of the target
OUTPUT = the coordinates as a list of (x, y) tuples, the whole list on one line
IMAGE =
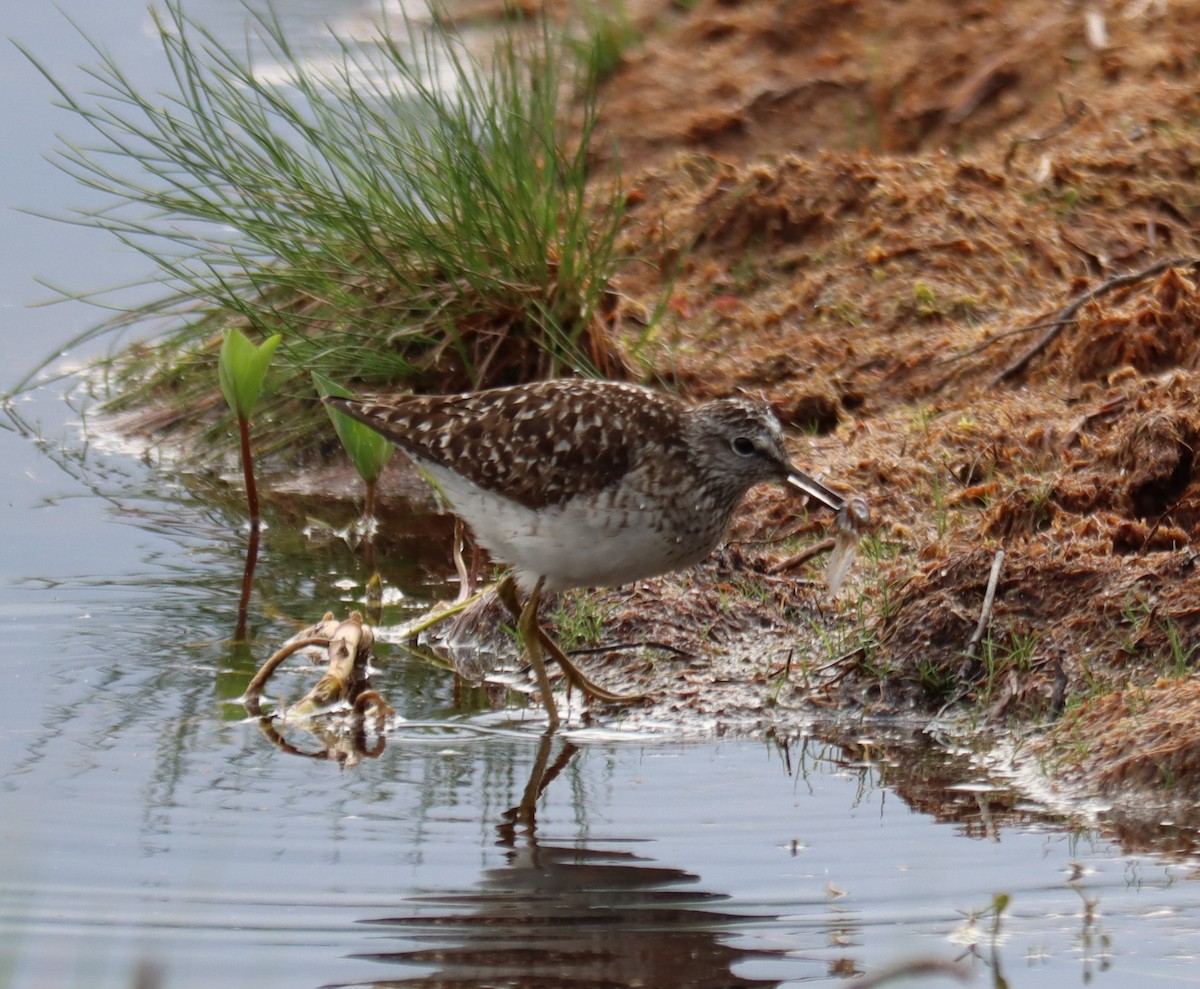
[(578, 483)]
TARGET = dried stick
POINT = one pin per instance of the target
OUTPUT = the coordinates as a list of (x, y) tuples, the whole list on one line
[(1066, 316), (989, 598), (254, 689), (993, 340), (1070, 119), (465, 588), (806, 554), (1159, 521)]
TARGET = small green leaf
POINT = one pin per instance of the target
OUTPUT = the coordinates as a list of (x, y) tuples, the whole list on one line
[(241, 369), (367, 449)]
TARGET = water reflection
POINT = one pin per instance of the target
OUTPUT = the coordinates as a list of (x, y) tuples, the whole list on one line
[(348, 745), (199, 817), (937, 778), (560, 914)]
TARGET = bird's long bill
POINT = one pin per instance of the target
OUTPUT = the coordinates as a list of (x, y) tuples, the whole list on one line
[(798, 479)]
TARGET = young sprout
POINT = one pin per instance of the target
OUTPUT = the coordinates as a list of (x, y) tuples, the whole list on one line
[(368, 451), (241, 369)]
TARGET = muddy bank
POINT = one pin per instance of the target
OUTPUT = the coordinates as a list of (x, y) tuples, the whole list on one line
[(955, 245)]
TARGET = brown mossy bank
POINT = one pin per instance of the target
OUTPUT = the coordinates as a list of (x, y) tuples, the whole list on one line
[(955, 245)]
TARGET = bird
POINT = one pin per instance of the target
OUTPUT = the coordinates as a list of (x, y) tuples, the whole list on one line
[(576, 482)]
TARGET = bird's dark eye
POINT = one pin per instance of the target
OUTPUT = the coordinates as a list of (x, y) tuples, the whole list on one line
[(744, 447)]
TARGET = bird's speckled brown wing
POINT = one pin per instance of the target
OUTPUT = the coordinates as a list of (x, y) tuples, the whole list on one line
[(539, 444)]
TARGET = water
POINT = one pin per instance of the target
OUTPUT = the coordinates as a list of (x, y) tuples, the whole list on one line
[(149, 831)]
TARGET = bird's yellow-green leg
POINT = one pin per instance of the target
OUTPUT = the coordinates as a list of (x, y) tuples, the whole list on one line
[(580, 679), (531, 636), (507, 592)]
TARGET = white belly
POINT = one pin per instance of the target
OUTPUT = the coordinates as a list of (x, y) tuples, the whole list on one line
[(577, 544)]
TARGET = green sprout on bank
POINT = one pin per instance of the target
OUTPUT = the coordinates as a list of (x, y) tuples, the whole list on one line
[(402, 210), (241, 370), (367, 449), (369, 452)]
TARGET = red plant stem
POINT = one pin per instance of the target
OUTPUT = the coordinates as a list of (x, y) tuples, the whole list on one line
[(369, 502), (248, 472), (255, 525), (369, 519), (239, 634)]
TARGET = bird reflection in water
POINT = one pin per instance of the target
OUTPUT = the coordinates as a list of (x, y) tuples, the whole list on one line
[(564, 914)]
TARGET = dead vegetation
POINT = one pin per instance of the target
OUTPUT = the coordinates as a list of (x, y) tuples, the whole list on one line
[(959, 244)]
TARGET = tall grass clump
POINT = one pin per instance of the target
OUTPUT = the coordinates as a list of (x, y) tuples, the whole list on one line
[(402, 216)]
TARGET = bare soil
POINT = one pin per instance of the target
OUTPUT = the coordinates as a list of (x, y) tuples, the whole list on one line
[(957, 245)]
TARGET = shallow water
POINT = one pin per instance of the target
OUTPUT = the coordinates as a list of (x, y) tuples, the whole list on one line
[(149, 830)]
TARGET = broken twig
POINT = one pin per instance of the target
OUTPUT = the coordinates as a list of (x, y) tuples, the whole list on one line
[(347, 645), (1067, 315), (1070, 119), (989, 599), (806, 554)]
